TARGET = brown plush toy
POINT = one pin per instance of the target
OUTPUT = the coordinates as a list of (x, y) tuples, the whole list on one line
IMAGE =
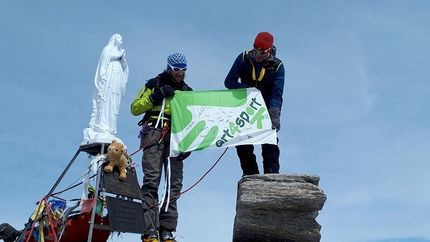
[(116, 157)]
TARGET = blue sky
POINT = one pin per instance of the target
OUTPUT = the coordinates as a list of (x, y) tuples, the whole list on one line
[(355, 107)]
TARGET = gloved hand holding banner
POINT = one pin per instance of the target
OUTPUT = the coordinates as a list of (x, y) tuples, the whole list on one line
[(217, 119)]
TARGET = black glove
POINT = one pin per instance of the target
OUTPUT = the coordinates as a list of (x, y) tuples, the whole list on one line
[(275, 115), (183, 155), (158, 96)]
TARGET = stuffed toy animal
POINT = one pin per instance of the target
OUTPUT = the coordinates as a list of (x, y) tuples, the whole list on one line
[(116, 157)]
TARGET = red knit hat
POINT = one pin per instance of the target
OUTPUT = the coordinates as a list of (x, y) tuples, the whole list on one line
[(263, 41)]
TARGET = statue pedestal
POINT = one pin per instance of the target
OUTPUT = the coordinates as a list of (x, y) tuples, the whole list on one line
[(90, 136)]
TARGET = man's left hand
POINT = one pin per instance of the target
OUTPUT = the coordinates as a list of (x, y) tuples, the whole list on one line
[(275, 116)]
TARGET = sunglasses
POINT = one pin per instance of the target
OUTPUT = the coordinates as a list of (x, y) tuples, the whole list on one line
[(262, 51), (178, 68)]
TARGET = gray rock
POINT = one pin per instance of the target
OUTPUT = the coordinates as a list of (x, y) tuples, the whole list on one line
[(278, 207)]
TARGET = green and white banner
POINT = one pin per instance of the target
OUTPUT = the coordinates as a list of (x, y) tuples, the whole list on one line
[(217, 119)]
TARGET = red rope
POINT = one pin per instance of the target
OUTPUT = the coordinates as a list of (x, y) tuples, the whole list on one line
[(195, 184), (35, 218), (53, 195), (162, 134), (48, 211), (140, 148), (49, 219)]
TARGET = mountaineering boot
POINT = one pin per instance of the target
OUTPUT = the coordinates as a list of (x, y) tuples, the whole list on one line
[(150, 238), (167, 236)]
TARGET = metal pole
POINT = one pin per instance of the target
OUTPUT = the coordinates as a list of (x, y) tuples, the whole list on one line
[(96, 195)]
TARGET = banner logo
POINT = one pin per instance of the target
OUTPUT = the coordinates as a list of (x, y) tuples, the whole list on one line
[(217, 119)]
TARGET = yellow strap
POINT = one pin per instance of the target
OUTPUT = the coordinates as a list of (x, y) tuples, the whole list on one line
[(41, 234), (260, 76), (39, 210), (278, 66), (244, 54)]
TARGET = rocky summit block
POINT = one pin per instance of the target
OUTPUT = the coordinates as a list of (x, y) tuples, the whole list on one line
[(278, 208)]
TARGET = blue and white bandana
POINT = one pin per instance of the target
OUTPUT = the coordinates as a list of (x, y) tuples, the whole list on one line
[(176, 60)]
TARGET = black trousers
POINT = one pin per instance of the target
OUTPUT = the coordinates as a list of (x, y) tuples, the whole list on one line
[(248, 162)]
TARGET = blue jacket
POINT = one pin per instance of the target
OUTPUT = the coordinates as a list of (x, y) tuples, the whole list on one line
[(267, 76)]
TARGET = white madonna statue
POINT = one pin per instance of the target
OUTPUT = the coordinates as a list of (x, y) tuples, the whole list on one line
[(110, 83)]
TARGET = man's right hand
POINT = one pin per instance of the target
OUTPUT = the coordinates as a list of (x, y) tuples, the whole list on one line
[(158, 96), (183, 155)]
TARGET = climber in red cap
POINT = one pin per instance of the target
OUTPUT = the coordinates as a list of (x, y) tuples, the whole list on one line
[(260, 68)]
